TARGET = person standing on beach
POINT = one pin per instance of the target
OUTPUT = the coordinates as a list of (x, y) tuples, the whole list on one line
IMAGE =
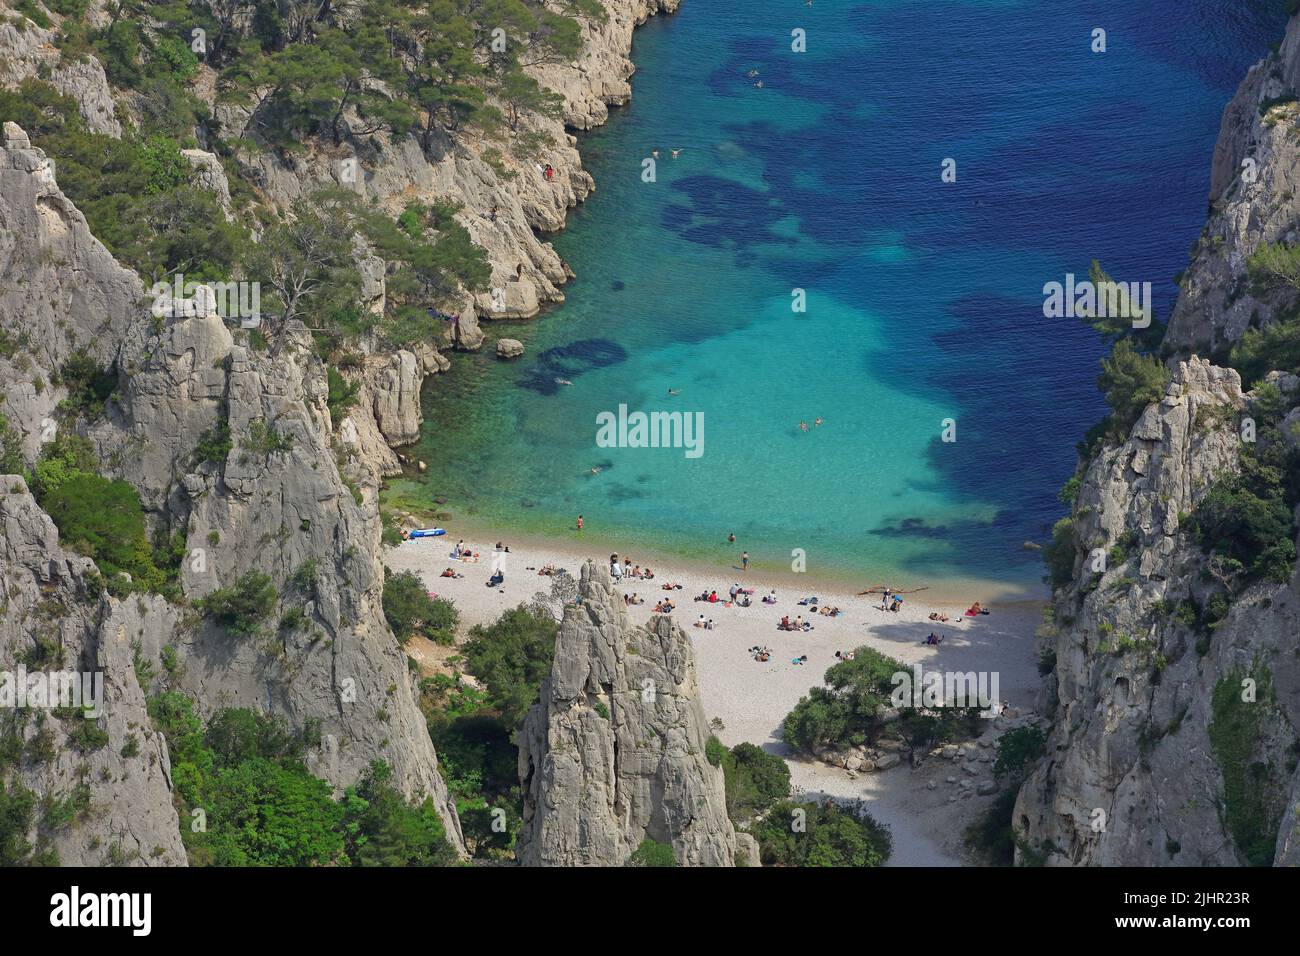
[(579, 522), (744, 561)]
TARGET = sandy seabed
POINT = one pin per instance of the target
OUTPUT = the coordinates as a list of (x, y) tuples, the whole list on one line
[(752, 698)]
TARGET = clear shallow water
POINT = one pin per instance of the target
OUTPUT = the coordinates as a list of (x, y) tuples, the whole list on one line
[(924, 298)]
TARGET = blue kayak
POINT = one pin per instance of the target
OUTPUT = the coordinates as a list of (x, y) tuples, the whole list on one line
[(426, 533)]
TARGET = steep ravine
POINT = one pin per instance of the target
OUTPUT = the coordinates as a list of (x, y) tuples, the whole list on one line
[(305, 497)]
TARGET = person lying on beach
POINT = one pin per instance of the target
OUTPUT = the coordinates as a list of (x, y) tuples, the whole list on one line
[(450, 573), (936, 616), (844, 655), (469, 557), (672, 587), (799, 660), (546, 569), (807, 601), (975, 609), (829, 611)]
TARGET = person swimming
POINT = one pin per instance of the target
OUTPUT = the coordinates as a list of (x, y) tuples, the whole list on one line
[(562, 381), (803, 426), (678, 151), (817, 421), (674, 391)]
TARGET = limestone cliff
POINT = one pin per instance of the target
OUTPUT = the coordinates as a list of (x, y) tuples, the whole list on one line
[(297, 488), (1175, 689), (299, 496), (1131, 775), (613, 753), (1254, 199), (54, 616)]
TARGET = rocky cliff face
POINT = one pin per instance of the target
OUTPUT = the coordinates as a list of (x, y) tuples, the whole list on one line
[(53, 616), (1175, 709), (613, 753), (1254, 199), (29, 51), (1139, 692), (302, 493), (44, 240), (305, 498)]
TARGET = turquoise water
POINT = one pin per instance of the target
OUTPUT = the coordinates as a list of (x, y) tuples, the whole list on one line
[(924, 299)]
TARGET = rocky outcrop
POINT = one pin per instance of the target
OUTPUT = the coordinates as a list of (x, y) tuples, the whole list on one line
[(1254, 200), (54, 617), (30, 52), (1136, 771), (1175, 693), (44, 240), (288, 495), (600, 78), (509, 348), (613, 753)]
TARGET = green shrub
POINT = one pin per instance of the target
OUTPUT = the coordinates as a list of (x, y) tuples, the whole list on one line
[(88, 385), (1253, 791), (103, 520), (384, 830), (342, 393), (1018, 751), (511, 656), (1059, 553), (755, 779), (1130, 381), (243, 607), (214, 444), (1247, 519), (410, 610), (822, 834), (848, 711), (653, 853)]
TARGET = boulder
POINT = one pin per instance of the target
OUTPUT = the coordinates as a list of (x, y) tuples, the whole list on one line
[(509, 348)]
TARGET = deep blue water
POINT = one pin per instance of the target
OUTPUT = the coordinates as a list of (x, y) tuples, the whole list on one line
[(924, 298)]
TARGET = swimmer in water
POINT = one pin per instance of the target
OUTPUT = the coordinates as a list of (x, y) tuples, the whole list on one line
[(562, 381), (596, 470), (674, 391), (759, 84), (677, 152), (817, 421), (752, 73), (654, 153), (803, 426)]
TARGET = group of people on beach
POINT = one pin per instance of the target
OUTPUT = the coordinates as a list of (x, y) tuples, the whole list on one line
[(628, 570)]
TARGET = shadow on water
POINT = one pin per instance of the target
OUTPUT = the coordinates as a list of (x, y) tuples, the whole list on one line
[(569, 362)]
